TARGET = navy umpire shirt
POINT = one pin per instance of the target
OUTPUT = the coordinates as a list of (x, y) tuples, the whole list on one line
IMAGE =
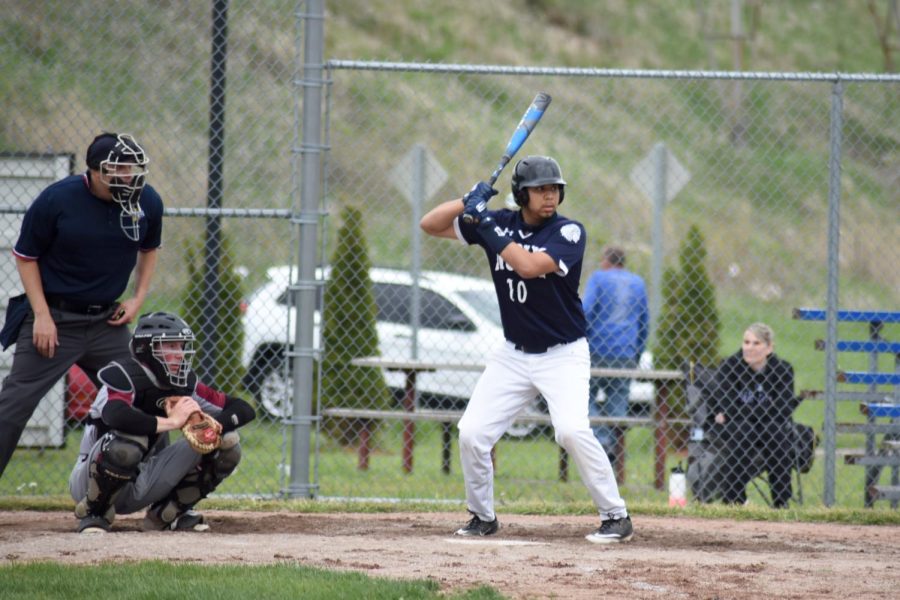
[(544, 311), (82, 253)]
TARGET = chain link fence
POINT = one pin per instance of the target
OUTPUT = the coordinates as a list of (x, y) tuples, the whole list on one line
[(717, 187), (221, 157)]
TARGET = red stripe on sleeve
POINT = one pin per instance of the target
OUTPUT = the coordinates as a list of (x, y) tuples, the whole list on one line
[(210, 395)]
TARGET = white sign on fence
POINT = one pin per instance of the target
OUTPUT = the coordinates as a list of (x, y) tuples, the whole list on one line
[(418, 175), (660, 168)]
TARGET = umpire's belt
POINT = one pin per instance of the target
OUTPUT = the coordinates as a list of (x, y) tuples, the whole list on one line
[(77, 307)]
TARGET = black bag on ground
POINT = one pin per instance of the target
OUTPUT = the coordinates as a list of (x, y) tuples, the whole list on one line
[(805, 442)]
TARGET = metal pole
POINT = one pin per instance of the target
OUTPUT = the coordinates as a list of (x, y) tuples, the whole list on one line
[(310, 150), (211, 299), (659, 204), (737, 45), (418, 200), (834, 232)]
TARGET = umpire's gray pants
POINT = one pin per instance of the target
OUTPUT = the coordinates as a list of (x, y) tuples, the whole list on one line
[(83, 339), (160, 472)]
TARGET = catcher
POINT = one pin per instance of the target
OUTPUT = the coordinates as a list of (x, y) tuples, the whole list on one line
[(126, 462)]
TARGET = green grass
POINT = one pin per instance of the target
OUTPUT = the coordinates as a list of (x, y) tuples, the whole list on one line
[(159, 580), (526, 474)]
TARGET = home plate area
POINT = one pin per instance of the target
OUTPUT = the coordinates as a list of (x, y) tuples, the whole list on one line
[(530, 557)]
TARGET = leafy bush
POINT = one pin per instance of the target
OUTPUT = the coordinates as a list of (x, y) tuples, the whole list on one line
[(689, 324), (349, 332)]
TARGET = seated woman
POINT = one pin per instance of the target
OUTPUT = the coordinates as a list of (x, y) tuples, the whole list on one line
[(753, 400)]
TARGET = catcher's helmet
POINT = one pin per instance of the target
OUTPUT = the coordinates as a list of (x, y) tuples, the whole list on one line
[(534, 171), (146, 346), (122, 164)]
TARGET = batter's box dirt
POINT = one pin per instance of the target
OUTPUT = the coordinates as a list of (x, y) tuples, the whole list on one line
[(531, 556)]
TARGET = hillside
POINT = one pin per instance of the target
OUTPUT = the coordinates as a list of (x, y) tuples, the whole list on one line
[(143, 67), (799, 35)]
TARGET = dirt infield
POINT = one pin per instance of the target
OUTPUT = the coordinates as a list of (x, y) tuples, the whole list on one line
[(531, 557)]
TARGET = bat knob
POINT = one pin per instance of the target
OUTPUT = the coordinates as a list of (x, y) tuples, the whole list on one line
[(467, 218)]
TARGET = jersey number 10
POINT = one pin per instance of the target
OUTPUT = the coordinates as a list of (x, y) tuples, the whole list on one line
[(517, 291)]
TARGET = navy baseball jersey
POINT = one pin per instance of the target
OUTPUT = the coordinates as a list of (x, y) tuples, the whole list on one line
[(544, 311), (82, 253)]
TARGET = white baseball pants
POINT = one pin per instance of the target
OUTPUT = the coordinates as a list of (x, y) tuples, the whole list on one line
[(510, 381)]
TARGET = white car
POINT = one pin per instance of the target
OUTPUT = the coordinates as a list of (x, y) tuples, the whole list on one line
[(459, 323)]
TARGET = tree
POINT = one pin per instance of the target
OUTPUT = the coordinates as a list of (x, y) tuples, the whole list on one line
[(698, 301), (689, 324), (349, 332), (229, 329)]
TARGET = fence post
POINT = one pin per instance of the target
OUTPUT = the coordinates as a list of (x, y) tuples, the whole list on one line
[(834, 232), (310, 151)]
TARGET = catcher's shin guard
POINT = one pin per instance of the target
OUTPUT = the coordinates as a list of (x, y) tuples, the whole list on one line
[(213, 469), (114, 466)]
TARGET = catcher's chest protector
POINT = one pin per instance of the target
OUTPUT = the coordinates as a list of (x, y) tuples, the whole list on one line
[(130, 376)]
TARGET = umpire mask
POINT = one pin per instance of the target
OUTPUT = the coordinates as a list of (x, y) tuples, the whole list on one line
[(122, 164)]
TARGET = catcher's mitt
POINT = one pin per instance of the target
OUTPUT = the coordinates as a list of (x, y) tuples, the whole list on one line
[(202, 432)]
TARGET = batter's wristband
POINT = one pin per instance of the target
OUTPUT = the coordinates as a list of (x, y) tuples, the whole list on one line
[(493, 238)]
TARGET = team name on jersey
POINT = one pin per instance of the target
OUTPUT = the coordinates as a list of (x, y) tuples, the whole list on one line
[(502, 265)]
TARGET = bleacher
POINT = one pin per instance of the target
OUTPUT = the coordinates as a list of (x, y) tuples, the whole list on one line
[(879, 406)]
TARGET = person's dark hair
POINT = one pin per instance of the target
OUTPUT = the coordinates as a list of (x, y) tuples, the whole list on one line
[(614, 256), (100, 148)]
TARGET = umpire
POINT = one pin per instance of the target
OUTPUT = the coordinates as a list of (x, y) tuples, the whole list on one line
[(80, 240)]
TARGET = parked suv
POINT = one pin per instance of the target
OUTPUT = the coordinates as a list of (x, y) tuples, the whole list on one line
[(459, 323)]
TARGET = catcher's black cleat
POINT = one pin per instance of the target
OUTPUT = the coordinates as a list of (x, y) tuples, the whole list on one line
[(190, 520), (477, 527), (612, 531), (93, 524)]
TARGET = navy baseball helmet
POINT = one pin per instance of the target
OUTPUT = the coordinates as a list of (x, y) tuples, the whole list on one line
[(534, 171), (152, 330)]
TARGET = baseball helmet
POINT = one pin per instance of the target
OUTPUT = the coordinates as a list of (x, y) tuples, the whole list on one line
[(122, 164), (146, 346), (534, 171)]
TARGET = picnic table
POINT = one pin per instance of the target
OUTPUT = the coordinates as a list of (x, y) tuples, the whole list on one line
[(410, 414)]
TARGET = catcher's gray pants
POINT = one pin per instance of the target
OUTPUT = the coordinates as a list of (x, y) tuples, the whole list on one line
[(163, 468), (84, 339)]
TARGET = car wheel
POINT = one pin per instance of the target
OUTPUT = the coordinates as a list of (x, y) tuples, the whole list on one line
[(274, 391)]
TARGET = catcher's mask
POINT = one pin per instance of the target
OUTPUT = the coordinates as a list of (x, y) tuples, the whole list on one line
[(155, 344), (535, 171), (122, 165)]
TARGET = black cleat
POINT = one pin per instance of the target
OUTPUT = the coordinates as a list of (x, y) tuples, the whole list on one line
[(477, 527), (190, 520), (612, 531), (93, 524)]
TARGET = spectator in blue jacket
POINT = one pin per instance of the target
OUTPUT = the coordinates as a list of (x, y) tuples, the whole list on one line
[(615, 306)]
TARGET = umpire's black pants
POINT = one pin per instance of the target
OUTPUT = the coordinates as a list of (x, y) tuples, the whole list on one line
[(83, 339)]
